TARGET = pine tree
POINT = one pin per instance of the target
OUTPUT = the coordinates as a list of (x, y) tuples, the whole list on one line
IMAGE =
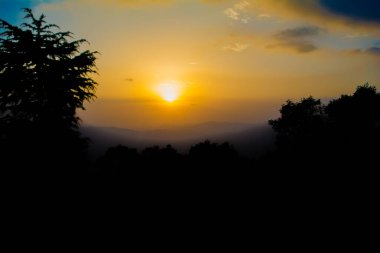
[(44, 79)]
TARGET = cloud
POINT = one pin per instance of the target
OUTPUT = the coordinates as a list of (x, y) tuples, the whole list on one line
[(363, 10), (299, 32), (356, 35), (298, 38), (236, 47), (298, 46), (237, 12), (373, 50), (263, 16), (241, 5), (348, 11), (231, 13)]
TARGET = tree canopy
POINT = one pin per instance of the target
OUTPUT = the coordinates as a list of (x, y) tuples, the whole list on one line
[(346, 130), (298, 120), (44, 77)]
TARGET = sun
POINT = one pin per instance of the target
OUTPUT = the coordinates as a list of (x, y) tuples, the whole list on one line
[(169, 91)]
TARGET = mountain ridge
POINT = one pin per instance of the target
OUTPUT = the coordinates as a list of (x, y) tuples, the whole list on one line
[(248, 139)]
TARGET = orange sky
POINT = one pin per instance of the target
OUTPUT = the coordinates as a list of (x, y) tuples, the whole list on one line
[(234, 61)]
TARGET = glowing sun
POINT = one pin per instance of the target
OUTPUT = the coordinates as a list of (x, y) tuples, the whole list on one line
[(169, 91)]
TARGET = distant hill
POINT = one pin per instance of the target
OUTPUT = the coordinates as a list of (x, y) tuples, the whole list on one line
[(249, 140)]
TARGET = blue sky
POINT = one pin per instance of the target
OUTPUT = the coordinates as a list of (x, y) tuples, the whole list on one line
[(10, 10)]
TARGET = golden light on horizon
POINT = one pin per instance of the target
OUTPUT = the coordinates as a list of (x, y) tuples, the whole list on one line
[(190, 62), (169, 91)]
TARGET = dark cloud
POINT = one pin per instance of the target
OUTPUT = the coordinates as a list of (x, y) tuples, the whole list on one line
[(299, 32), (374, 50), (361, 10), (354, 11), (298, 38), (298, 46), (301, 46)]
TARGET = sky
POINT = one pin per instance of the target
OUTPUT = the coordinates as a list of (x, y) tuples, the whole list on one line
[(178, 62)]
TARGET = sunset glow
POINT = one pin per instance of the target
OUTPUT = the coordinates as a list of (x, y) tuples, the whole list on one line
[(169, 91), (144, 99), (231, 60)]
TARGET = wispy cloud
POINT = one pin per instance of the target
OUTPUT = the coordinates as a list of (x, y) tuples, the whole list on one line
[(238, 12), (236, 47), (264, 16), (242, 5), (356, 35), (231, 13)]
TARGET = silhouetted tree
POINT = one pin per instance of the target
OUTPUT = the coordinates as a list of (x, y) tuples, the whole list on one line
[(44, 78), (359, 111), (344, 133), (161, 158), (210, 155), (354, 125), (299, 121), (118, 160)]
